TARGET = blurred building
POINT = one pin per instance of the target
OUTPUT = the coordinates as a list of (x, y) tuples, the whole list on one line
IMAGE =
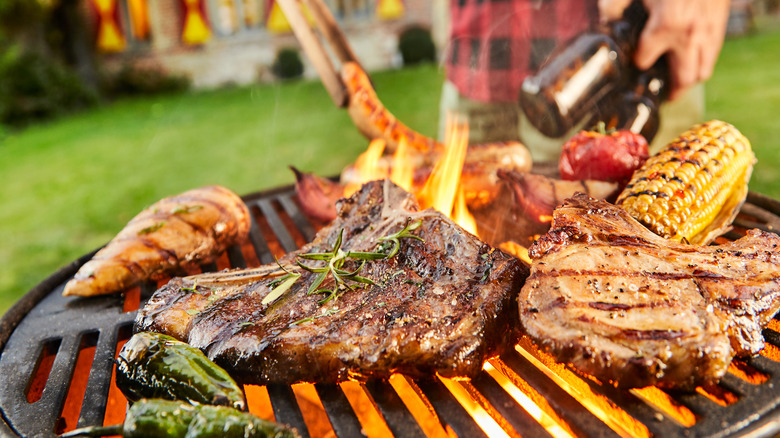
[(236, 41)]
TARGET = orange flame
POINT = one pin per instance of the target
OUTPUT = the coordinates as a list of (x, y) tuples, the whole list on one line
[(525, 401), (598, 404), (441, 190), (402, 172), (465, 394), (516, 250), (367, 166), (441, 187)]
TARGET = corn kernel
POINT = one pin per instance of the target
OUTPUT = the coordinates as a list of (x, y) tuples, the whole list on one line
[(681, 190)]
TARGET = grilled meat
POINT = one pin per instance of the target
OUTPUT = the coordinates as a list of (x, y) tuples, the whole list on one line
[(536, 196), (170, 236), (625, 305), (442, 304)]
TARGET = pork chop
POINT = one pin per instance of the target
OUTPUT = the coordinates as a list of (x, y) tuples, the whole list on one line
[(624, 305)]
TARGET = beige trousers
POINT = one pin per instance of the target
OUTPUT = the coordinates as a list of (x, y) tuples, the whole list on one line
[(489, 122)]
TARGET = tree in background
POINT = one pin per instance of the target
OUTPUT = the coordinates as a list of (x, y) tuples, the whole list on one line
[(22, 20), (47, 64), (68, 35)]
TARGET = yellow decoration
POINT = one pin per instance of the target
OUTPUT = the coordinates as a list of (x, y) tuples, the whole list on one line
[(277, 22), (139, 18), (196, 31), (109, 37), (390, 9)]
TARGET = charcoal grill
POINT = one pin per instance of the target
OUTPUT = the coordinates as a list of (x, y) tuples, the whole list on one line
[(57, 363)]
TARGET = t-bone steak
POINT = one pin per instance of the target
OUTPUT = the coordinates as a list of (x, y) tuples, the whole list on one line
[(443, 304)]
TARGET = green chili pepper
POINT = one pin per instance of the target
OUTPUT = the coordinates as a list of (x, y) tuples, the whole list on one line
[(154, 418), (152, 365)]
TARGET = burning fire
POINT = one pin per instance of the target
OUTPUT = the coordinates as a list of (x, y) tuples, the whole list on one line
[(442, 189)]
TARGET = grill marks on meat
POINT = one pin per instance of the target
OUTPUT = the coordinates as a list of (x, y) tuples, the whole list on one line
[(624, 305), (170, 236), (439, 306)]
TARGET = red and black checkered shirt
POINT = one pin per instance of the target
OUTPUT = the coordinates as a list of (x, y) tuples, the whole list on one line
[(495, 44)]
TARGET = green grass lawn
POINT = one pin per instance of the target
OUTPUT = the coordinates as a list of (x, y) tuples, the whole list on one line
[(745, 91), (69, 186)]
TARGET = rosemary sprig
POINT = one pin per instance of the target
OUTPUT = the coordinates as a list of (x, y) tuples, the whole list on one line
[(194, 288), (335, 262), (395, 238), (312, 318), (186, 209), (281, 285), (151, 228)]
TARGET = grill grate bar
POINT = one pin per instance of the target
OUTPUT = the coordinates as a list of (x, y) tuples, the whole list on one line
[(700, 405), (771, 337), (276, 224), (398, 418), (95, 400), (738, 386), (764, 365), (756, 217), (297, 217), (449, 410), (342, 417), (582, 421), (519, 419), (721, 421), (286, 409), (656, 423), (208, 267), (236, 258), (259, 242), (765, 202), (61, 371)]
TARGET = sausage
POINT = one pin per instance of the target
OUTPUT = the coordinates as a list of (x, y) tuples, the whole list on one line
[(373, 119), (479, 178)]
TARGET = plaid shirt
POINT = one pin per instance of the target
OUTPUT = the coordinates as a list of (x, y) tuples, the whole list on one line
[(495, 44)]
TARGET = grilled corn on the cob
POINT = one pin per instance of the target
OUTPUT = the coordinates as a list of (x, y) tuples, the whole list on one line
[(693, 188)]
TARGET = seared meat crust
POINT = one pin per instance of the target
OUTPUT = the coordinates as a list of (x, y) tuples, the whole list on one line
[(442, 305), (626, 306)]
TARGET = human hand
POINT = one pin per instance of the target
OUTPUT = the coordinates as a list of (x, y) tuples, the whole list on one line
[(690, 32)]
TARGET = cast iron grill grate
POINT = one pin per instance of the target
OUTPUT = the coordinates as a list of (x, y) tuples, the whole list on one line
[(56, 370)]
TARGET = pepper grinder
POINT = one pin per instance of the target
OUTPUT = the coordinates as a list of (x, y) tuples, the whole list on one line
[(594, 77)]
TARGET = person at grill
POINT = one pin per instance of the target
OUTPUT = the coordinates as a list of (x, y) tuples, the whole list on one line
[(495, 45)]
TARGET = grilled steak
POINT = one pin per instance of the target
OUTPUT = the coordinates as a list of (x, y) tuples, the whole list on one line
[(170, 236), (624, 305), (442, 304)]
